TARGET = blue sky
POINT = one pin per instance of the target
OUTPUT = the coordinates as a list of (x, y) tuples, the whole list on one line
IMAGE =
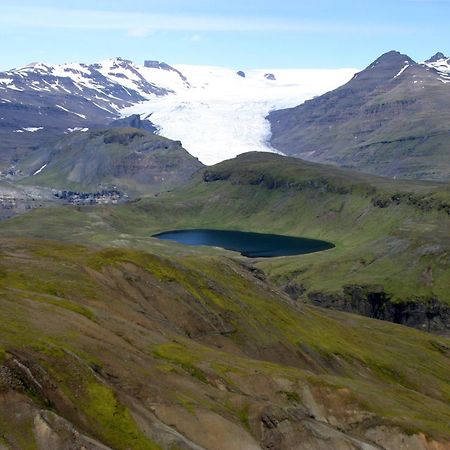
[(235, 33)]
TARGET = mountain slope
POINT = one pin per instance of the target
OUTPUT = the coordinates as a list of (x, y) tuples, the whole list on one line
[(392, 119), (117, 349), (129, 159)]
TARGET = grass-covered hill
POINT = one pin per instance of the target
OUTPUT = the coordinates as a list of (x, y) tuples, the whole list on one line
[(392, 238), (133, 160), (109, 348)]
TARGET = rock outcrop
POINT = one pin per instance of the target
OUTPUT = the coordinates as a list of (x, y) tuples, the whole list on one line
[(427, 314)]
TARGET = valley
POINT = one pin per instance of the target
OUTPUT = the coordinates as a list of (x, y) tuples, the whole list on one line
[(235, 123), (275, 301), (391, 237)]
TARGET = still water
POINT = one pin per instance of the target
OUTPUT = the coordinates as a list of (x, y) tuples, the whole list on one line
[(251, 245)]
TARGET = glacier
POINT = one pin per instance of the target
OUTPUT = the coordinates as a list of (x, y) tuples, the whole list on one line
[(218, 114)]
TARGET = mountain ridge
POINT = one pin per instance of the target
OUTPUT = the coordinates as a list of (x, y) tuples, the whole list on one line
[(41, 102), (53, 100)]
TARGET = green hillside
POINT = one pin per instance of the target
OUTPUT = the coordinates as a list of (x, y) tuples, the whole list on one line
[(125, 349), (392, 237)]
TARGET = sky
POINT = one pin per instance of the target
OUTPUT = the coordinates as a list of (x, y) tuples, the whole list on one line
[(242, 34)]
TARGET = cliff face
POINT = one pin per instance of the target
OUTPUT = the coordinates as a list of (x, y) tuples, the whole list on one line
[(427, 314)]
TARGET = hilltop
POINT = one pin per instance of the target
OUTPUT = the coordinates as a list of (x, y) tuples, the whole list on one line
[(127, 159)]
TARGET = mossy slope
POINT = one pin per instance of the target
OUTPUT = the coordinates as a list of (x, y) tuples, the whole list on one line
[(117, 341)]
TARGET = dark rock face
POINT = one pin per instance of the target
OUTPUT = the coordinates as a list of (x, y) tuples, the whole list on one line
[(270, 76), (392, 119), (294, 290), (241, 74), (211, 176), (122, 138), (154, 64), (264, 179), (134, 121), (427, 314), (422, 202), (164, 66)]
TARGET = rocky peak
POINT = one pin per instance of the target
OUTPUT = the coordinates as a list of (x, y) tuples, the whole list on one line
[(36, 67), (119, 62), (437, 57), (440, 65), (134, 121), (387, 67), (392, 59)]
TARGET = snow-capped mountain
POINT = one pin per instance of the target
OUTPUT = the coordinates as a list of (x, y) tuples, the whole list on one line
[(217, 113), (109, 85), (39, 102)]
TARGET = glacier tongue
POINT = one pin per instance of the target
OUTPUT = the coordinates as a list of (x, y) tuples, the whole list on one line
[(219, 115)]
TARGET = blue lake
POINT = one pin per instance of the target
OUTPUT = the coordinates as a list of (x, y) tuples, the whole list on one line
[(251, 245)]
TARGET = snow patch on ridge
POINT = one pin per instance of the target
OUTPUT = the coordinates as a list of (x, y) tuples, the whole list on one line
[(29, 129), (40, 170), (71, 112), (401, 71), (73, 130), (33, 129)]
